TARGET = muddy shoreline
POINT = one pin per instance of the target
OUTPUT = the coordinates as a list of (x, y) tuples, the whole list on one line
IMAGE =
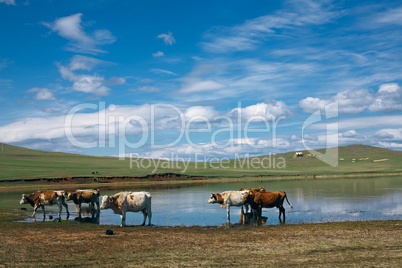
[(64, 244)]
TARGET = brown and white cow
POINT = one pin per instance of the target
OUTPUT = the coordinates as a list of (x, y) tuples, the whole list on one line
[(263, 199), (124, 202), (228, 199), (42, 198), (84, 196)]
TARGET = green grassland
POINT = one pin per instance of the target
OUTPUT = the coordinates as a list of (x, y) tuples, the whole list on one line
[(22, 163)]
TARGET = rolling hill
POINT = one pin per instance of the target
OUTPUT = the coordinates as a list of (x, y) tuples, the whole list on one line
[(22, 163)]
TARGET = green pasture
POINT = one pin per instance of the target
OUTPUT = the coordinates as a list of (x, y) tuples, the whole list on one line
[(22, 163)]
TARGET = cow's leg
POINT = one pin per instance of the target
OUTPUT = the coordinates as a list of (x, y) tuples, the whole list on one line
[(97, 206), (66, 207), (149, 212), (35, 208), (228, 213), (242, 220), (281, 211), (79, 209), (144, 212), (123, 219), (60, 208), (44, 213), (255, 215)]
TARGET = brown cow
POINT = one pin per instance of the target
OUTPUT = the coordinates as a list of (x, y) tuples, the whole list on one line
[(264, 199), (245, 217), (253, 189), (42, 198), (84, 196)]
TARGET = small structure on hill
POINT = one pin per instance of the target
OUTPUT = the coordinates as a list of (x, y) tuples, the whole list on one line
[(298, 154)]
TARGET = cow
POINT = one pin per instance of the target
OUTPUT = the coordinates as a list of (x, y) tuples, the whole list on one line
[(84, 196), (228, 199), (245, 217), (264, 199), (123, 202), (253, 189), (42, 198)]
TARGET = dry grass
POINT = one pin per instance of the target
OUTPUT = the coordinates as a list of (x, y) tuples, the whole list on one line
[(65, 244)]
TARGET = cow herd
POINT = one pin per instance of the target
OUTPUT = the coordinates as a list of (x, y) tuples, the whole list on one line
[(123, 202)]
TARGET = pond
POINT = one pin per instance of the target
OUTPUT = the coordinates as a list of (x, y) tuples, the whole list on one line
[(314, 201)]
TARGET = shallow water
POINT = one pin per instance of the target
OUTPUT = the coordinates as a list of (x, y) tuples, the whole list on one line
[(329, 200)]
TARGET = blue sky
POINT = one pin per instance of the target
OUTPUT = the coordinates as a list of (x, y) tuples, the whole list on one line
[(213, 78)]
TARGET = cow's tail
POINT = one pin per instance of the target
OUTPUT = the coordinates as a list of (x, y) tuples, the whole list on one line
[(288, 200)]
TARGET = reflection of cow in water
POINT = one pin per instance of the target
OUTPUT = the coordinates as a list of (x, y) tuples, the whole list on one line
[(88, 216), (42, 198), (259, 200), (84, 196)]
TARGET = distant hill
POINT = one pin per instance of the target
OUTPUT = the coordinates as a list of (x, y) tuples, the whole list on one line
[(22, 163)]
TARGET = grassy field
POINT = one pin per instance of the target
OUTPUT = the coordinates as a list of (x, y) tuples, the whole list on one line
[(69, 244), (22, 163)]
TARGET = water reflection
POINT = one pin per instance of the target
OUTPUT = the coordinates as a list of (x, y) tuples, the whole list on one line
[(328, 200)]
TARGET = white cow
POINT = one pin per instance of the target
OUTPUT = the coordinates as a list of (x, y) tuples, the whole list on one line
[(228, 199), (122, 202)]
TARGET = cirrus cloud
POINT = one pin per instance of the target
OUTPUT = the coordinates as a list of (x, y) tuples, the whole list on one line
[(71, 28)]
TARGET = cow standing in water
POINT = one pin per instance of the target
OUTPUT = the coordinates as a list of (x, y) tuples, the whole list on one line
[(245, 217), (84, 196), (42, 198), (228, 199), (123, 202), (263, 199)]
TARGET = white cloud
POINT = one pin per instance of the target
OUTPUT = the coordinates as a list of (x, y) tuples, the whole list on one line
[(196, 81), (271, 110), (391, 16), (85, 83), (8, 2), (388, 99), (389, 134), (200, 113), (70, 27), (146, 89), (162, 71), (158, 54), (79, 62), (364, 122), (42, 93), (167, 38), (115, 81), (249, 34), (393, 145), (93, 84), (53, 110), (196, 85)]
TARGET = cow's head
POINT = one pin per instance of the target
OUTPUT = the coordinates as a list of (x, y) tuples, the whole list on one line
[(107, 202), (215, 198), (248, 197), (261, 189), (70, 195), (23, 200), (212, 199)]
